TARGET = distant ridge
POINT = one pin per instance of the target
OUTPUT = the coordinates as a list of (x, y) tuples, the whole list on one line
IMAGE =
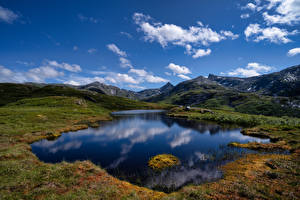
[(283, 83)]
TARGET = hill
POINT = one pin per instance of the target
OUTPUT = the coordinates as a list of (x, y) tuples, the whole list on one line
[(282, 83)]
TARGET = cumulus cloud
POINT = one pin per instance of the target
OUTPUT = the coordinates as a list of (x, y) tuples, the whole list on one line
[(136, 87), (272, 34), (252, 69), (173, 34), (286, 12), (177, 69), (245, 16), (116, 50), (49, 69), (183, 76), (65, 66), (146, 76), (7, 15), (39, 74), (155, 79), (293, 52), (250, 6), (124, 62), (201, 52), (140, 72)]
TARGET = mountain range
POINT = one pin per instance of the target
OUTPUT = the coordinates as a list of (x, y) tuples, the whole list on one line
[(276, 93)]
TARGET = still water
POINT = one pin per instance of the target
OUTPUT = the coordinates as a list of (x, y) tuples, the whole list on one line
[(124, 146)]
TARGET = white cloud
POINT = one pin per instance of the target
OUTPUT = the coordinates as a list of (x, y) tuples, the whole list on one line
[(181, 139), (92, 51), (245, 16), (183, 76), (252, 69), (166, 34), (201, 52), (126, 34), (88, 19), (79, 80), (123, 78), (155, 79), (272, 34), (6, 75), (75, 48), (140, 72), (116, 50), (293, 52), (125, 63), (40, 74), (230, 34), (177, 69), (65, 66), (287, 12), (136, 87), (146, 76), (7, 15), (250, 6)]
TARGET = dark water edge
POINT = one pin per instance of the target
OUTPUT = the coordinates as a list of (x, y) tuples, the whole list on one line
[(124, 146)]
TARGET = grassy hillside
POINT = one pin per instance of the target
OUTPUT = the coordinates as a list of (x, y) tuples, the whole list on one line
[(11, 92), (31, 113), (23, 176), (226, 99)]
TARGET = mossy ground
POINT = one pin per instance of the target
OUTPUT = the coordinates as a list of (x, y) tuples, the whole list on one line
[(23, 176), (162, 161)]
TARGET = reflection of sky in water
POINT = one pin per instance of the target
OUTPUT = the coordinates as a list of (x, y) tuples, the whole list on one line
[(124, 146)]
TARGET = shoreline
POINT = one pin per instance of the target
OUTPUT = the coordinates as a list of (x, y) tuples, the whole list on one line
[(93, 179)]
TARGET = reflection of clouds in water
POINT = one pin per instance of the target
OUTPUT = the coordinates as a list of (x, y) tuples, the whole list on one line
[(241, 137), (57, 145), (201, 156), (141, 137), (182, 138), (197, 156), (116, 163), (183, 175)]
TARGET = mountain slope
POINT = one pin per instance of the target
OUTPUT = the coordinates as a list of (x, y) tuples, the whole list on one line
[(204, 92), (148, 93), (108, 90), (283, 83), (11, 92)]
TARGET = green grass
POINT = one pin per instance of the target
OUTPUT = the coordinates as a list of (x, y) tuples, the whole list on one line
[(30, 114), (277, 128), (229, 117), (224, 99), (23, 176)]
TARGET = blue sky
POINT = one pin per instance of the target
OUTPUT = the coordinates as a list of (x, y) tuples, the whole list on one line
[(138, 44)]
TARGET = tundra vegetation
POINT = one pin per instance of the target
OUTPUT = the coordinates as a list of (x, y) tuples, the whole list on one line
[(29, 116), (162, 161)]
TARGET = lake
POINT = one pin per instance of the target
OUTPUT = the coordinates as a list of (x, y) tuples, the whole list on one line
[(124, 146)]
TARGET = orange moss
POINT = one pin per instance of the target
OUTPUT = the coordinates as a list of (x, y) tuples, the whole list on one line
[(163, 161), (262, 146)]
